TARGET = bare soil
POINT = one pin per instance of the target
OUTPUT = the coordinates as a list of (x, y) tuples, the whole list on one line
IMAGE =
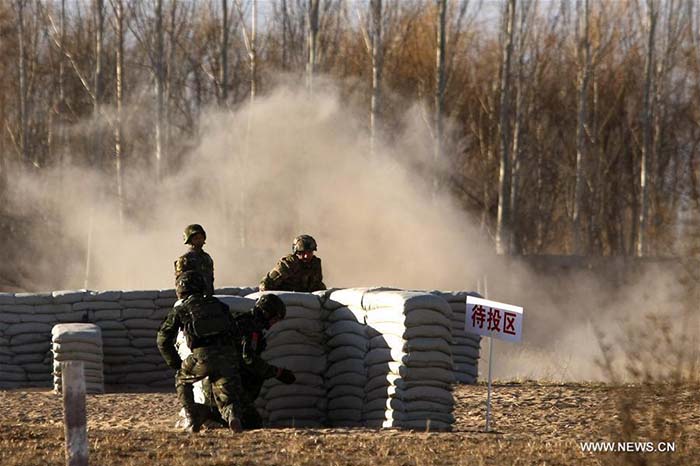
[(533, 424)]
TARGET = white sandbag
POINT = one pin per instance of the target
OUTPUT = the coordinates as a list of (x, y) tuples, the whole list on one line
[(347, 378), (345, 352), (78, 346), (293, 349), (340, 390), (298, 312), (346, 402), (237, 304), (407, 300), (346, 313), (313, 364), (28, 327), (296, 389), (290, 298), (349, 339), (353, 365), (291, 337), (410, 318), (77, 356), (342, 327), (75, 332)]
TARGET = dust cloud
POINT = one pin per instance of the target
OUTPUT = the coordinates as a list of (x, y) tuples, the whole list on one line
[(294, 163)]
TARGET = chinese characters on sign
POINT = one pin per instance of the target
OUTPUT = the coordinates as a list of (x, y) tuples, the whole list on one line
[(498, 320)]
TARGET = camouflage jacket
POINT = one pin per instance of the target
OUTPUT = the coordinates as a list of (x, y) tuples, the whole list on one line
[(200, 261), (176, 320), (291, 274)]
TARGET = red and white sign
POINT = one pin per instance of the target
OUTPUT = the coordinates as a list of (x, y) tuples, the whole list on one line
[(493, 319)]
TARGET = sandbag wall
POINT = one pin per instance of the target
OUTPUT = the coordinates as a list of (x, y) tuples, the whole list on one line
[(407, 366), (128, 320), (465, 346), (348, 344), (296, 343)]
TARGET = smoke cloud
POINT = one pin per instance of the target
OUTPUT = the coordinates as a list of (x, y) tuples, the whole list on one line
[(295, 163)]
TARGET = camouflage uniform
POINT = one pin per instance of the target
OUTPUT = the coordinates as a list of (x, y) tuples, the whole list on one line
[(216, 357), (254, 369), (292, 274), (199, 261)]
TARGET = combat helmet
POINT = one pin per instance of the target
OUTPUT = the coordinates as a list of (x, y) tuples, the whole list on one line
[(192, 230), (271, 306), (189, 283), (303, 243)]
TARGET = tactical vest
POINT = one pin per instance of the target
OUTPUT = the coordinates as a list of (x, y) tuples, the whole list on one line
[(206, 317)]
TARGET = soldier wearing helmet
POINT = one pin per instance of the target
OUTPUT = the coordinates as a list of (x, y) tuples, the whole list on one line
[(196, 259), (254, 370), (268, 310), (210, 331), (299, 271)]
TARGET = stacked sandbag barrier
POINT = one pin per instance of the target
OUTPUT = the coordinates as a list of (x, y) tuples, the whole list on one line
[(296, 343), (409, 363), (26, 320), (347, 346), (465, 346), (78, 342), (129, 321)]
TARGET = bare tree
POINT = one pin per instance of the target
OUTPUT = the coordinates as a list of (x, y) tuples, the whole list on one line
[(312, 43), (223, 69), (22, 71), (504, 176), (439, 89), (118, 22), (160, 87), (377, 66), (583, 52), (647, 123)]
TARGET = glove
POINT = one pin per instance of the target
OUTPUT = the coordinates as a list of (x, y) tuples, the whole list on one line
[(285, 376)]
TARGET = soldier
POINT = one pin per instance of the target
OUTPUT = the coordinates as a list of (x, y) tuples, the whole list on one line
[(268, 310), (299, 271), (210, 332), (196, 259)]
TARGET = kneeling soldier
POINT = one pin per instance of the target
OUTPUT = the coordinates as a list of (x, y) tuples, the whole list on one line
[(210, 332)]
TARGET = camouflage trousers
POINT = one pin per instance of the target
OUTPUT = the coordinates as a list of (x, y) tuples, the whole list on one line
[(220, 364)]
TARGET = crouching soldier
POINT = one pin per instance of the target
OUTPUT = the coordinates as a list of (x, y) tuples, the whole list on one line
[(210, 332), (268, 310)]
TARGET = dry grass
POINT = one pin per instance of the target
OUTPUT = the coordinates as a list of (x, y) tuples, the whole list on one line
[(534, 424)]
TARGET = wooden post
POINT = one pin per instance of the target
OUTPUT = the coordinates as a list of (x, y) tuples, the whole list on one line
[(74, 414)]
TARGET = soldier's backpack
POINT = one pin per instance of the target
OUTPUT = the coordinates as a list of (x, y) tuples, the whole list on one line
[(207, 317)]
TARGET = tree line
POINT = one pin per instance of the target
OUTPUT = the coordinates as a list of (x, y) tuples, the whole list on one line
[(566, 127)]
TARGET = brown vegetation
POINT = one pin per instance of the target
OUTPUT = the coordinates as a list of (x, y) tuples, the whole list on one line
[(533, 424)]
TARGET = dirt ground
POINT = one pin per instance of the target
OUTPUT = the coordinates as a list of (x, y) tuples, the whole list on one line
[(533, 424)]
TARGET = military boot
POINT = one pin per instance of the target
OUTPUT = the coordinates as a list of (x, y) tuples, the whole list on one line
[(193, 421), (235, 425)]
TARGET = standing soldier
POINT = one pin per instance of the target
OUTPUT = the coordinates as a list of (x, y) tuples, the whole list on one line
[(210, 332), (299, 271), (196, 259)]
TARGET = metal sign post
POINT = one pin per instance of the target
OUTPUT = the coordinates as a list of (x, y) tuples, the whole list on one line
[(488, 397), (494, 320)]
